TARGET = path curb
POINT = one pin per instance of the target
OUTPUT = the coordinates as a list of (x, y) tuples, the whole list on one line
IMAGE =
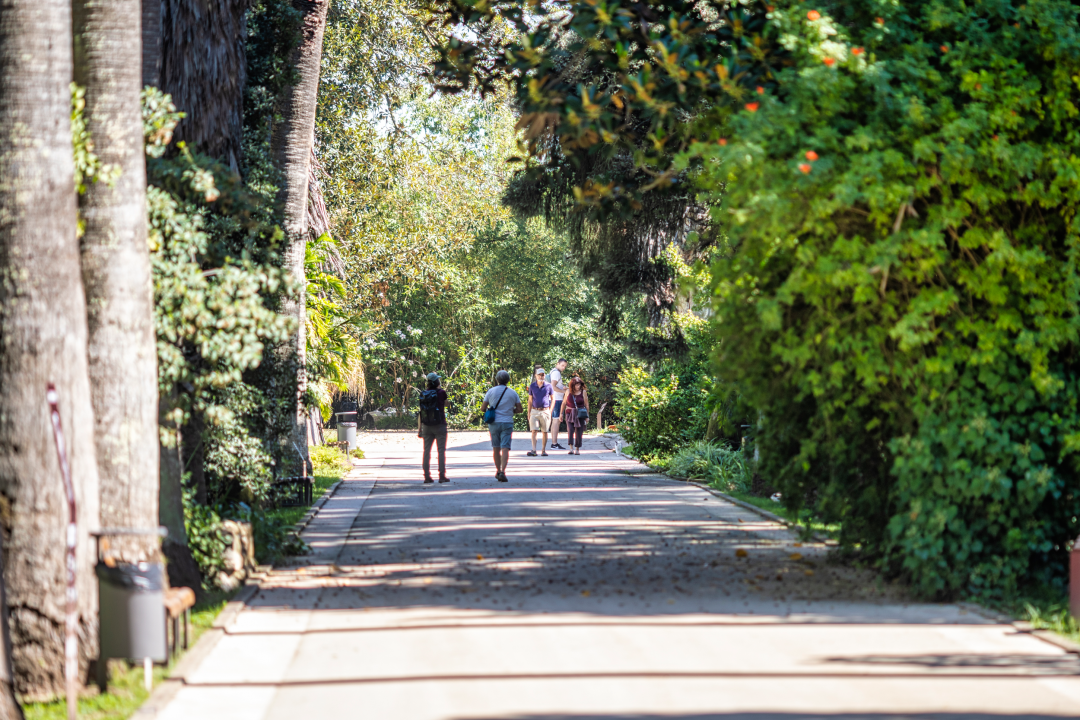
[(734, 501), (164, 693)]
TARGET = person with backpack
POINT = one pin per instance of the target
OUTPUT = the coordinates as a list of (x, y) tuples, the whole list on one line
[(499, 406), (432, 425)]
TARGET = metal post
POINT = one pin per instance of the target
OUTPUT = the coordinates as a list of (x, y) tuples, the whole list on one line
[(71, 624)]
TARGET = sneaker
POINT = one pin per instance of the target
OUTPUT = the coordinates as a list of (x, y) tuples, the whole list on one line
[(543, 454), (444, 479), (428, 480), (571, 452), (531, 453), (502, 477), (558, 447)]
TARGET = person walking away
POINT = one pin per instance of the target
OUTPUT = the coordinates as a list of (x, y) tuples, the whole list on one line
[(504, 403), (540, 399), (559, 391), (577, 401), (432, 425)]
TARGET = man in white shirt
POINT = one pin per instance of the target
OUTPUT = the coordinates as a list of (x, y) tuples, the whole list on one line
[(560, 390), (505, 402)]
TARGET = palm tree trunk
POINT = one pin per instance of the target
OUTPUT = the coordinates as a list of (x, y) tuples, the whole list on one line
[(43, 339), (151, 42), (116, 276), (292, 143), (204, 67)]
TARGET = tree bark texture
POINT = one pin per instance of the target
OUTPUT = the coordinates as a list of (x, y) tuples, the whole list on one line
[(9, 706), (151, 42), (292, 143), (43, 339), (116, 276), (204, 68)]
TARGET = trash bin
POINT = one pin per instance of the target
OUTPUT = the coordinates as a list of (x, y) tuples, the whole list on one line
[(346, 432), (132, 615)]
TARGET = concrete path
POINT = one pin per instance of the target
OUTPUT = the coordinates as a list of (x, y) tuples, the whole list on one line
[(581, 591)]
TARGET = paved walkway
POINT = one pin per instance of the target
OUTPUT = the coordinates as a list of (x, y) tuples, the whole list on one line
[(581, 591)]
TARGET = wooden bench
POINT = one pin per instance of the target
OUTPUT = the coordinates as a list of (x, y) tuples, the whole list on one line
[(178, 604)]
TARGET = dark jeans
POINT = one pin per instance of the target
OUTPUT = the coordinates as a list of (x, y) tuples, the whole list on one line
[(575, 439), (434, 434)]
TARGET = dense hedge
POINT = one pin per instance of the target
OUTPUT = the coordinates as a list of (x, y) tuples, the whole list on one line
[(901, 302)]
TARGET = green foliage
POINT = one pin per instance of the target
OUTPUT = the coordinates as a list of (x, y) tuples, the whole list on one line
[(329, 460), (207, 538), (668, 405), (720, 466), (357, 453), (334, 363), (903, 309)]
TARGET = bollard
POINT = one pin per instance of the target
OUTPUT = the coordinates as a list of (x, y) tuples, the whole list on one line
[(1074, 580)]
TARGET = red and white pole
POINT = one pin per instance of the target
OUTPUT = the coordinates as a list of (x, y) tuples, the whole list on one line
[(71, 640)]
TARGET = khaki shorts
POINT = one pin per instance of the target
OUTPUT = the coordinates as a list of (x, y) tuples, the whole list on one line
[(540, 419)]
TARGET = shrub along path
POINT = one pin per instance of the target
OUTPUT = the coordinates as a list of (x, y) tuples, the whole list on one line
[(579, 591)]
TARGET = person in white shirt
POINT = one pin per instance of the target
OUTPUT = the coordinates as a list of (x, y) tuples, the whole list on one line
[(560, 390), (505, 402)]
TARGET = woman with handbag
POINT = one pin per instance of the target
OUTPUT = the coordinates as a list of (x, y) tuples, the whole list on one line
[(576, 412)]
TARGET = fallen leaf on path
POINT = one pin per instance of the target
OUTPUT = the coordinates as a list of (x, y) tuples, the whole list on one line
[(479, 557), (796, 556), (809, 572), (740, 553), (585, 593)]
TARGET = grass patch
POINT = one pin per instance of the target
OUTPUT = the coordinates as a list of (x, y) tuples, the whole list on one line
[(806, 523), (126, 692), (292, 515), (1046, 608)]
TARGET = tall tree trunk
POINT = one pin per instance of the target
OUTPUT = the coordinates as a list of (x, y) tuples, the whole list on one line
[(9, 706), (292, 143), (43, 339), (204, 68), (151, 42), (116, 275)]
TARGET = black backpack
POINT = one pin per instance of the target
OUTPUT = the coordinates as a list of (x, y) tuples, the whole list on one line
[(429, 407)]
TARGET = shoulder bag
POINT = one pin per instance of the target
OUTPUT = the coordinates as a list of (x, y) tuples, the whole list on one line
[(489, 414)]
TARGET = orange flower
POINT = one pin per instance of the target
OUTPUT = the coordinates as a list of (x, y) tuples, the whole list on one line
[(752, 107), (830, 61), (995, 137), (811, 155), (856, 51), (944, 48), (722, 141), (770, 8), (814, 15), (760, 90), (805, 167), (879, 21)]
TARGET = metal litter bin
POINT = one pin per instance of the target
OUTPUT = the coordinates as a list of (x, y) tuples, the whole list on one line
[(346, 432), (131, 607), (132, 601)]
